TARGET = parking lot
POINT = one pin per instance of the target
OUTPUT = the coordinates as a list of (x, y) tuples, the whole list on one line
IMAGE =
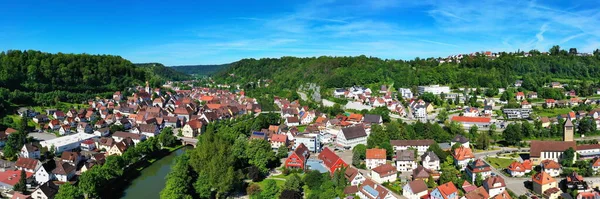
[(42, 136)]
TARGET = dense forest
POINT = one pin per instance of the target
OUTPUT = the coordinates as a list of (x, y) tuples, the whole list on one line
[(163, 72), (472, 71), (39, 78), (201, 70)]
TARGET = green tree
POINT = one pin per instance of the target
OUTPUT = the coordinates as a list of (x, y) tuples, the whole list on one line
[(483, 141), (361, 150), (568, 157), (253, 190), (166, 137), (478, 180), (313, 179), (512, 134), (293, 183), (435, 148), (431, 182), (260, 154), (21, 184), (449, 174), (270, 189), (282, 152), (443, 115), (67, 191)]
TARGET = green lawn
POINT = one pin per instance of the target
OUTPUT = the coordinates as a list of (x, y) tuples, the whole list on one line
[(552, 112), (279, 183), (395, 187), (301, 128), (499, 163)]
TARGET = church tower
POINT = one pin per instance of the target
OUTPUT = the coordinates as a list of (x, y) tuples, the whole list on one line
[(569, 131)]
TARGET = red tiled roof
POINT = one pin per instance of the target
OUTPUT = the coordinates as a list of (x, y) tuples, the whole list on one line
[(28, 163), (447, 189), (550, 164), (11, 177), (543, 178), (463, 153), (516, 166), (329, 157), (279, 138), (375, 154), (471, 119), (195, 124)]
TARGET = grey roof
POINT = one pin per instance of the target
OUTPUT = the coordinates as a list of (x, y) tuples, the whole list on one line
[(354, 132), (432, 156), (405, 155), (568, 123), (460, 139), (371, 118), (49, 189)]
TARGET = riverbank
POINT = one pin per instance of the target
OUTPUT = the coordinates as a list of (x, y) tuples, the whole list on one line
[(119, 186)]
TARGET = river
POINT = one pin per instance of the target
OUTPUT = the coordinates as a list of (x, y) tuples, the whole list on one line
[(152, 179)]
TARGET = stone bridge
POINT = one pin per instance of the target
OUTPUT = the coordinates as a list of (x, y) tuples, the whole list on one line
[(188, 141)]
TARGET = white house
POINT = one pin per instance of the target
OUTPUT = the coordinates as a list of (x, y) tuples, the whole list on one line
[(192, 128), (384, 173), (83, 127), (478, 167), (292, 121), (371, 190), (42, 176), (353, 176), (551, 167), (375, 157), (414, 189), (45, 191), (63, 171), (405, 160), (30, 151), (462, 140), (103, 132), (120, 135), (494, 185), (28, 164), (430, 160), (420, 145), (311, 141), (405, 93), (278, 140), (462, 156), (351, 136), (149, 130)]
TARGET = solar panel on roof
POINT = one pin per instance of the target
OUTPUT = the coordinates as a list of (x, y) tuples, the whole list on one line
[(371, 190), (258, 133)]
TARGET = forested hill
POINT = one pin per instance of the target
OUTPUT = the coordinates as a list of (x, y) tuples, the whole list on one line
[(477, 71), (163, 72), (202, 70), (34, 77)]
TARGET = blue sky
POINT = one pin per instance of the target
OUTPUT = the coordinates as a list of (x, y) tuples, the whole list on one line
[(214, 32)]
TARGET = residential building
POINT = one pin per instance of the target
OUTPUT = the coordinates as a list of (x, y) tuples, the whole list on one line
[(551, 167), (414, 189), (375, 157), (30, 151), (278, 140), (444, 191), (9, 178), (192, 128), (311, 141), (45, 191), (354, 176), (576, 182), (434, 89), (28, 164), (292, 121), (405, 160), (42, 176), (477, 193), (405, 93), (430, 160), (462, 156), (516, 169), (587, 195), (120, 135), (596, 165), (422, 173), (351, 136), (297, 159), (384, 173), (331, 160), (494, 185), (372, 119), (420, 145), (478, 167), (462, 140), (542, 182), (63, 171), (72, 158), (517, 113), (371, 190)]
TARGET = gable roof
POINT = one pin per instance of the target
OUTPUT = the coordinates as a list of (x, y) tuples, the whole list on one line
[(69, 156), (354, 132), (478, 166), (49, 189), (471, 119), (550, 146), (550, 164), (279, 138), (372, 118), (375, 154), (462, 153), (494, 179), (195, 124), (329, 157), (460, 139), (516, 167), (123, 134), (351, 173), (432, 156), (28, 163), (405, 155), (542, 178), (417, 186), (385, 170), (63, 168), (447, 189), (479, 193), (372, 189)]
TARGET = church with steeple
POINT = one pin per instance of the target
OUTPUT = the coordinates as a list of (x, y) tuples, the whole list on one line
[(569, 130)]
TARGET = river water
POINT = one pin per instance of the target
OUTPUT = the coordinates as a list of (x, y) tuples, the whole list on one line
[(152, 179)]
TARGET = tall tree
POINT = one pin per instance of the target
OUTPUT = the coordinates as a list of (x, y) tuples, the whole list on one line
[(67, 191)]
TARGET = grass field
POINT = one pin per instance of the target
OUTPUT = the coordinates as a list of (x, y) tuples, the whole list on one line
[(552, 112), (499, 163)]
